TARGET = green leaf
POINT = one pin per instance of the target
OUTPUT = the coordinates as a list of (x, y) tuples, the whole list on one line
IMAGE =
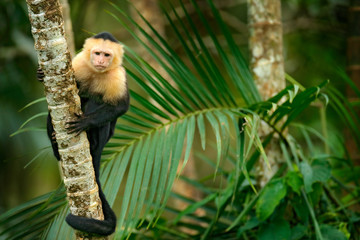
[(148, 166), (130, 129), (278, 229), (31, 218), (215, 126), (152, 93), (177, 147), (189, 140), (144, 115), (126, 201), (273, 193), (322, 170), (193, 207), (136, 182), (181, 71), (294, 180), (164, 161), (33, 117), (346, 112), (201, 127), (144, 102), (250, 224), (292, 94), (331, 233), (245, 210), (316, 193), (170, 93), (114, 179), (156, 174), (210, 72), (137, 121), (318, 171), (236, 67), (307, 173), (30, 129), (224, 195), (299, 205), (43, 99), (298, 232)]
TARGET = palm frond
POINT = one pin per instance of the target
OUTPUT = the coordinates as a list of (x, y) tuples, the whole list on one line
[(43, 99), (34, 214)]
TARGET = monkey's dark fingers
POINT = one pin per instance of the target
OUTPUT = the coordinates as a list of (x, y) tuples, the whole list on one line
[(74, 130), (53, 137), (40, 75), (73, 127), (76, 126)]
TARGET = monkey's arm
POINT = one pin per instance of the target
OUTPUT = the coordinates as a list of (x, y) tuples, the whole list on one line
[(96, 115)]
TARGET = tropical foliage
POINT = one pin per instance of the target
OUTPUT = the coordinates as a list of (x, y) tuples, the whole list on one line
[(212, 99)]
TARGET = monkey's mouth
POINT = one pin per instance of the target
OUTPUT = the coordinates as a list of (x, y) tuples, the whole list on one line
[(100, 67)]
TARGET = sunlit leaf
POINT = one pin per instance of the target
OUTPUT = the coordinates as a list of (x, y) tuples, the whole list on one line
[(318, 171), (273, 193)]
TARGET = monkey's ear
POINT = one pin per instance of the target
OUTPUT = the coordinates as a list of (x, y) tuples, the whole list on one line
[(86, 44), (119, 53), (121, 50)]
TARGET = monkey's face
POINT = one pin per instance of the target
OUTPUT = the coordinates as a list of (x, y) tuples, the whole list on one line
[(101, 58)]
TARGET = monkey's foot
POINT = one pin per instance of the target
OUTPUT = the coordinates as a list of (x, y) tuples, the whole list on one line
[(40, 75)]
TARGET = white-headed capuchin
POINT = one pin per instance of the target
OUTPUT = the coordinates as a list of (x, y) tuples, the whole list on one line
[(104, 97)]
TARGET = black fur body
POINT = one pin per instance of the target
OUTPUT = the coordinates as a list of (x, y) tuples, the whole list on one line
[(103, 117)]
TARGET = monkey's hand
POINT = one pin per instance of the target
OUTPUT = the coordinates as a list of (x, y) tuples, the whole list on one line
[(40, 75), (82, 123), (53, 137)]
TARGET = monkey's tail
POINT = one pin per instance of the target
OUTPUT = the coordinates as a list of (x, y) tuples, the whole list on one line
[(90, 225)]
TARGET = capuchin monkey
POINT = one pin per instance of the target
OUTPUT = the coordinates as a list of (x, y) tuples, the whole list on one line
[(104, 95)]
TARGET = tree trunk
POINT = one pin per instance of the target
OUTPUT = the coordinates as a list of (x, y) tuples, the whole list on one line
[(47, 27), (68, 27), (267, 66), (353, 69)]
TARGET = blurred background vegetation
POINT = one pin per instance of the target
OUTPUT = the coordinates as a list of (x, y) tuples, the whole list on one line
[(315, 43)]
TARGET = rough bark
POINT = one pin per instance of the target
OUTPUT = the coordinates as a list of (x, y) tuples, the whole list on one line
[(267, 65), (47, 27), (266, 46), (68, 26)]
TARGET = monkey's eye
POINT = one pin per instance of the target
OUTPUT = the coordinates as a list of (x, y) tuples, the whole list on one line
[(107, 55), (97, 53)]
